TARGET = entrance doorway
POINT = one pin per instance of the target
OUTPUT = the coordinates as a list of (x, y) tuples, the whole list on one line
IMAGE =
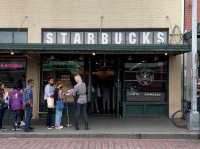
[(103, 86)]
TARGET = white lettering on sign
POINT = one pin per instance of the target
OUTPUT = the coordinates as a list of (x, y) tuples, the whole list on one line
[(145, 38), (49, 37), (90, 38), (132, 38), (77, 38), (64, 37), (104, 38), (118, 38), (160, 37)]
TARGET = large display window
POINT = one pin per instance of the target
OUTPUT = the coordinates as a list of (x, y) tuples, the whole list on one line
[(146, 78), (62, 68)]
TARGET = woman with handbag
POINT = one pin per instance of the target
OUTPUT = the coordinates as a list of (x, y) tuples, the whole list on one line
[(59, 106), (49, 92)]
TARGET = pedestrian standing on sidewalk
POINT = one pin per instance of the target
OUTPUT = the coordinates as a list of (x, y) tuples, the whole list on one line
[(3, 105), (59, 106), (49, 94), (16, 105), (22, 84), (28, 105), (79, 92)]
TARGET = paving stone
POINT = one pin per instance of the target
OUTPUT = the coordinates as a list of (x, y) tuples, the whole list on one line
[(96, 143)]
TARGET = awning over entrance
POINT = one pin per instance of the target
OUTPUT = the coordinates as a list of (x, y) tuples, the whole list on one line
[(97, 48)]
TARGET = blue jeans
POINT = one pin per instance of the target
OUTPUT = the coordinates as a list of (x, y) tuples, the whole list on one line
[(28, 116), (58, 117), (16, 118)]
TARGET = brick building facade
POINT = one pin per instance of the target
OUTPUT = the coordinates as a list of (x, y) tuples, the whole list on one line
[(188, 14)]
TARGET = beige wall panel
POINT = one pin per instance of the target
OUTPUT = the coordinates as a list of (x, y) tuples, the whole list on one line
[(33, 72), (174, 83), (86, 14)]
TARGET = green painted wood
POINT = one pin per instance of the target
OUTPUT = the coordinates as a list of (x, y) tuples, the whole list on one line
[(98, 48), (145, 109)]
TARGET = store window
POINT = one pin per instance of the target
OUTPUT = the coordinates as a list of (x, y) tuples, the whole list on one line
[(146, 78), (13, 36), (62, 68), (12, 71)]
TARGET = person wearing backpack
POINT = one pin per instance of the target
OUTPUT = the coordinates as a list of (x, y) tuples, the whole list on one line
[(59, 106)]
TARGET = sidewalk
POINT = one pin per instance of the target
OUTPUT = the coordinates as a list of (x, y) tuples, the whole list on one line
[(134, 128)]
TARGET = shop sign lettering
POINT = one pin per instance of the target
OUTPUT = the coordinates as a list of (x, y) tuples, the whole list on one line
[(105, 37)]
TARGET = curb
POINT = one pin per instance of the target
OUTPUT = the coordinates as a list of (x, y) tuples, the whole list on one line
[(102, 135)]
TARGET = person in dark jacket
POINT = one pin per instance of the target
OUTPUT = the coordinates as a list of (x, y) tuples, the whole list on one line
[(2, 104)]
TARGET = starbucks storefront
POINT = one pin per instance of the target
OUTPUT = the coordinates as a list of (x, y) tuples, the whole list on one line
[(128, 72)]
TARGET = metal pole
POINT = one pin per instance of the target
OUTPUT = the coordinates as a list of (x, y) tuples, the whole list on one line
[(194, 114)]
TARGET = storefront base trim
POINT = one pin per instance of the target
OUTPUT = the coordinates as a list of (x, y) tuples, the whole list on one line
[(193, 121)]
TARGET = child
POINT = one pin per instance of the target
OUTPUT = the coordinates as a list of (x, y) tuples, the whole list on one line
[(59, 107)]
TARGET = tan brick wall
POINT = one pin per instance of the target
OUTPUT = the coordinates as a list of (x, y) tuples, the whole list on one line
[(86, 14)]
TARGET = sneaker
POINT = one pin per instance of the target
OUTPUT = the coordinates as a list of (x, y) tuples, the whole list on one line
[(77, 128), (22, 124), (59, 127), (31, 128), (49, 128), (16, 129), (16, 124), (28, 130)]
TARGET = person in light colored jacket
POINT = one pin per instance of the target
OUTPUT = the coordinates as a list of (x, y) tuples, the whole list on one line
[(49, 92), (79, 92)]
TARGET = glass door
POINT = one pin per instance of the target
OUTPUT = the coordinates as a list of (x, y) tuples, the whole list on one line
[(103, 86)]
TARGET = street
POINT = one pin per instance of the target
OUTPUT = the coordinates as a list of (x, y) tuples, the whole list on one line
[(95, 143)]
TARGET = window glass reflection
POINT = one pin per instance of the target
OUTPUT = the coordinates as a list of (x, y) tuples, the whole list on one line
[(146, 80)]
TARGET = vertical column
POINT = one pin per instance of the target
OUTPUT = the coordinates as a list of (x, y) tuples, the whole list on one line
[(89, 79), (174, 83), (33, 72), (118, 97), (193, 123)]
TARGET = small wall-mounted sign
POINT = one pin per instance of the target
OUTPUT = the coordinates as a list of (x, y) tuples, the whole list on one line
[(11, 66)]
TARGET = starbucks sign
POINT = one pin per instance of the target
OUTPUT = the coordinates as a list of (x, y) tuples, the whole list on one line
[(104, 37)]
